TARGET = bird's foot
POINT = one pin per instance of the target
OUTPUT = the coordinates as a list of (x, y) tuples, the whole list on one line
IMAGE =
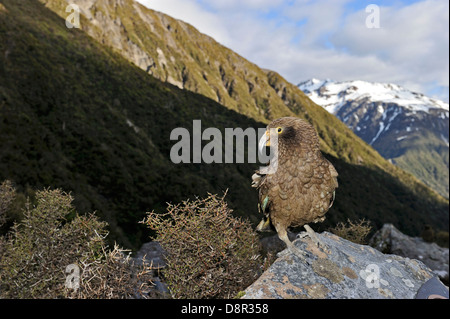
[(293, 250), (314, 238)]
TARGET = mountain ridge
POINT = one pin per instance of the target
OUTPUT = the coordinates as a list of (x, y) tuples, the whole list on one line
[(175, 52), (334, 93)]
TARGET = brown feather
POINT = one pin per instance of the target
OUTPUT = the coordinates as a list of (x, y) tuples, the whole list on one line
[(301, 191)]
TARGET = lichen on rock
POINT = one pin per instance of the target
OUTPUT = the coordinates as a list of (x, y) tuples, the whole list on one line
[(343, 270)]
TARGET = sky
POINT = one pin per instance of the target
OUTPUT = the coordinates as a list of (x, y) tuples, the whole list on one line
[(401, 42)]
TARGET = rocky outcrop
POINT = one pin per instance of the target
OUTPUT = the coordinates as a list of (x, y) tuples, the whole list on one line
[(152, 253), (390, 240), (342, 270)]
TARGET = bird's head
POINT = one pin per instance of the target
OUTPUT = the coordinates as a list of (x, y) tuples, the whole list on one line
[(290, 133)]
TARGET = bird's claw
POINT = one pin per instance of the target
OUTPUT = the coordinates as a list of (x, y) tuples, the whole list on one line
[(303, 235), (311, 234)]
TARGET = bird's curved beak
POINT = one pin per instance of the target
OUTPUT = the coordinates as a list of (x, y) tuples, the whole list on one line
[(264, 142)]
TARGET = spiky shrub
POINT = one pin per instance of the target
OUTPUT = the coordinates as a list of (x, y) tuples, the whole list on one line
[(38, 250), (354, 231), (209, 253)]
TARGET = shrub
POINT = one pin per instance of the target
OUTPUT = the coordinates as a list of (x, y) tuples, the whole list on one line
[(7, 195), (442, 238), (353, 231), (36, 255), (428, 233), (209, 253)]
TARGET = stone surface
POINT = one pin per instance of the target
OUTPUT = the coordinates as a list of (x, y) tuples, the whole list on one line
[(343, 270), (391, 241), (151, 253)]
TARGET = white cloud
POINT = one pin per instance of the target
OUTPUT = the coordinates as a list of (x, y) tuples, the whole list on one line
[(301, 39), (193, 13), (247, 4), (320, 17), (413, 40)]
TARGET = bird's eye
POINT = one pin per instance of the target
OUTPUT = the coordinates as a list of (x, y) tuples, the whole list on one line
[(279, 130)]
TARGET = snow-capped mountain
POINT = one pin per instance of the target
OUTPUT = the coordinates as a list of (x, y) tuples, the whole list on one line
[(333, 95), (409, 128)]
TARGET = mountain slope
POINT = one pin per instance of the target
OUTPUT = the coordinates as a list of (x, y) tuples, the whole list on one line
[(408, 128), (175, 52), (75, 114)]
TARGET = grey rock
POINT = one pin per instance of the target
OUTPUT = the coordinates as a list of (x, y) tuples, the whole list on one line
[(390, 240), (343, 270), (151, 253), (161, 287)]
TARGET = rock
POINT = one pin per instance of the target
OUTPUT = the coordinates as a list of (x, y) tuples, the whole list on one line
[(151, 253), (391, 241), (343, 270)]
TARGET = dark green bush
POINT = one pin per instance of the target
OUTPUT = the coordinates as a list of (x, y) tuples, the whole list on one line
[(442, 238), (428, 233), (7, 195), (210, 253)]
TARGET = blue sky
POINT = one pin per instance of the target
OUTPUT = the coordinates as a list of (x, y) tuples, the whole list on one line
[(302, 39)]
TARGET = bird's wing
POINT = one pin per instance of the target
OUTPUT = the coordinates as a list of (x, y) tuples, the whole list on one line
[(333, 173), (264, 208), (260, 182)]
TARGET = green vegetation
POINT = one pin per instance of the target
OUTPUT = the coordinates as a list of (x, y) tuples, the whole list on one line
[(177, 53), (429, 235), (430, 166), (51, 239), (209, 253), (64, 107), (7, 196), (67, 101)]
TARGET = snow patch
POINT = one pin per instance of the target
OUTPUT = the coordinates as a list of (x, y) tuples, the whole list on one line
[(396, 113), (387, 127), (378, 134), (444, 139), (130, 124)]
